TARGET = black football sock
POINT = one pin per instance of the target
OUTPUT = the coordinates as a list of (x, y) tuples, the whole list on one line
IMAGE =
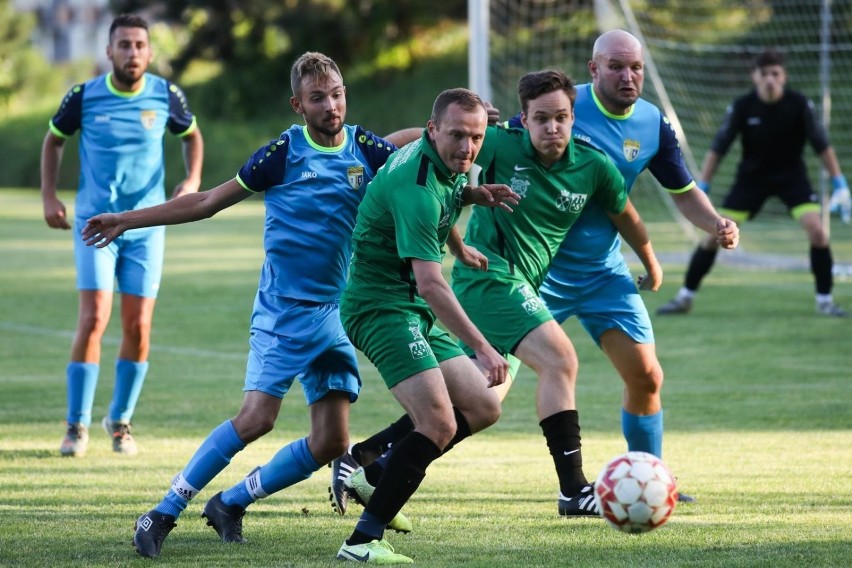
[(699, 266), (821, 263), (405, 469), (368, 450), (462, 430), (373, 472), (562, 432)]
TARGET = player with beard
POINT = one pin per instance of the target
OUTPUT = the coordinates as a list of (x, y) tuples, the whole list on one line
[(122, 117), (313, 178)]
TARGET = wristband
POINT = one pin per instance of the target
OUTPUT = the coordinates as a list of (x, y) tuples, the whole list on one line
[(839, 182)]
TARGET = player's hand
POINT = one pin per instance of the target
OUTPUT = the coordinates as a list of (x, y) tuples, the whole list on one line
[(189, 185), (102, 229), (727, 233), (494, 365), (470, 256), (703, 185), (494, 195), (841, 201), (493, 113), (54, 213), (652, 279)]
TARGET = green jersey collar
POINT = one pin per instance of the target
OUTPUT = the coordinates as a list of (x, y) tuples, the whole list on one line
[(430, 152)]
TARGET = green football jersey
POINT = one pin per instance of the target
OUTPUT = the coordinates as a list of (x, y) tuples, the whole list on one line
[(407, 213), (524, 241)]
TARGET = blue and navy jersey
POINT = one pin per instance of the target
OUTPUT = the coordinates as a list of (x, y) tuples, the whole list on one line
[(643, 138), (312, 195), (121, 140)]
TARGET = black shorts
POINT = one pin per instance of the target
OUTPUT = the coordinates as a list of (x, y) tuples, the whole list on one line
[(749, 193)]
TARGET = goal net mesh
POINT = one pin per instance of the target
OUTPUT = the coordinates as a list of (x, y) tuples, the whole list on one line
[(702, 54)]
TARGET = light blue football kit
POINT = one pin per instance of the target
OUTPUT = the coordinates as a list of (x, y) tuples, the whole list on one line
[(312, 195), (121, 168), (589, 277)]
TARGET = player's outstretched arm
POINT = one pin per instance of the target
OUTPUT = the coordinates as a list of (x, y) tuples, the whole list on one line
[(102, 229), (400, 138), (696, 207), (491, 195), (634, 233)]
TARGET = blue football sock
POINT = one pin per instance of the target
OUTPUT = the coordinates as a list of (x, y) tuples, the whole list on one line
[(210, 458), (129, 376), (81, 381), (643, 433), (292, 464)]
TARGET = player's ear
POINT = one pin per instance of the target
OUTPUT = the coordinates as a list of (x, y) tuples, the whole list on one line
[(431, 127), (296, 104)]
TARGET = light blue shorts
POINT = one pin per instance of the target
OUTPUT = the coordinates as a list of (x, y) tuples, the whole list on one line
[(135, 260), (296, 339), (601, 301)]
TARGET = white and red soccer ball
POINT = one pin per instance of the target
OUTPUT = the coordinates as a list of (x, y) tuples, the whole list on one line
[(636, 493)]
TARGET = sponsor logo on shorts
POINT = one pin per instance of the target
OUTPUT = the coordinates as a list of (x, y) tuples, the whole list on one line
[(419, 349), (533, 305)]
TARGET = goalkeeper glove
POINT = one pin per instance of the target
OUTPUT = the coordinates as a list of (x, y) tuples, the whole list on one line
[(841, 201)]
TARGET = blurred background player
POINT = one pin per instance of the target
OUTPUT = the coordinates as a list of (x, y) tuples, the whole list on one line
[(773, 123), (122, 116)]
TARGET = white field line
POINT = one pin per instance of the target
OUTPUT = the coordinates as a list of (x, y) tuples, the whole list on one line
[(69, 335)]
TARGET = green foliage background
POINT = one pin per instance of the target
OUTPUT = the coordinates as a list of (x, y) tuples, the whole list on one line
[(233, 61)]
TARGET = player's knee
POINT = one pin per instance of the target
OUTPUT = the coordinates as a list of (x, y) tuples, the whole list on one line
[(250, 428), (327, 447), (440, 430), (488, 413), (92, 324), (647, 382)]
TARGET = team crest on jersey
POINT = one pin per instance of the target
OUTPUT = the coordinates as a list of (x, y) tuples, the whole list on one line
[(571, 202), (519, 185), (355, 175), (630, 149), (148, 118)]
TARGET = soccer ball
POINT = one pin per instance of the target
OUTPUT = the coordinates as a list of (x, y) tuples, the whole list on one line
[(636, 492)]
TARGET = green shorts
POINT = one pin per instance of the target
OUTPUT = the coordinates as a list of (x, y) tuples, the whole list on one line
[(399, 337), (504, 307)]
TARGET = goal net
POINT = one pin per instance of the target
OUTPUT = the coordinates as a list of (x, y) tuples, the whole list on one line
[(698, 59)]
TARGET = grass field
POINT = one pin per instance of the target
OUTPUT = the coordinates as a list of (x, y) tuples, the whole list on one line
[(758, 399)]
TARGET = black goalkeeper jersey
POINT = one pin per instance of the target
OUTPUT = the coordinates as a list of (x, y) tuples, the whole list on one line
[(773, 135)]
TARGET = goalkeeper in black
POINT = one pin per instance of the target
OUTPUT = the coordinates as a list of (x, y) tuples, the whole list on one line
[(773, 124)]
